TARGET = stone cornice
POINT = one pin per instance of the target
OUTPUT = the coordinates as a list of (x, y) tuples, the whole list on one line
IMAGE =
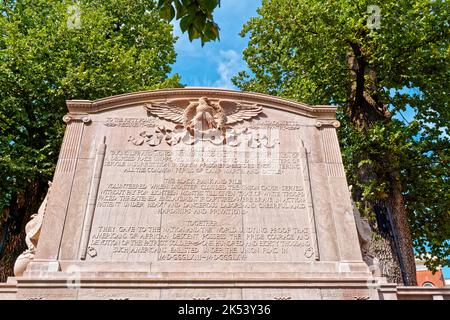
[(140, 98)]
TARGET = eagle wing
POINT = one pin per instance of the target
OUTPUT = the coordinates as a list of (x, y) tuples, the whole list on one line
[(236, 112), (165, 111)]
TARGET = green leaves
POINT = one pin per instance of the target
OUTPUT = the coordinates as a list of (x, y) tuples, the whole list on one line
[(301, 49), (121, 46), (167, 11), (195, 17), (180, 9)]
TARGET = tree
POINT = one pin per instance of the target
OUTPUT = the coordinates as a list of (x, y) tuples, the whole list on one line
[(340, 52), (196, 17), (52, 51)]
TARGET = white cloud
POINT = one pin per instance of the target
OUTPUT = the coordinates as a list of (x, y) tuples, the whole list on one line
[(229, 64)]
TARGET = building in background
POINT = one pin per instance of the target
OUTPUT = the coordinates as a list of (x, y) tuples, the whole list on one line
[(426, 278)]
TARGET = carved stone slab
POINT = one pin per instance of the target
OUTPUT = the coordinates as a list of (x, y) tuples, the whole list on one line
[(197, 183)]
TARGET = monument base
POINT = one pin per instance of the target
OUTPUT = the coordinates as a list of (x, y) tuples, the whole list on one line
[(53, 280), (192, 287), (98, 286)]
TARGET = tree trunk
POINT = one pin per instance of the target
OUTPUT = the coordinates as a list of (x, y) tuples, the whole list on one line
[(402, 233), (392, 241)]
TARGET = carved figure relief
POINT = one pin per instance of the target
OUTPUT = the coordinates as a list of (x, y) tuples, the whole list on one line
[(364, 236), (33, 230)]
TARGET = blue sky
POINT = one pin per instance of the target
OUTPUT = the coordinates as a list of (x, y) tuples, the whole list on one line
[(217, 62)]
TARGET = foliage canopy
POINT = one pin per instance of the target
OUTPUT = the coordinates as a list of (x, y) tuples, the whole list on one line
[(303, 50), (196, 17), (53, 51)]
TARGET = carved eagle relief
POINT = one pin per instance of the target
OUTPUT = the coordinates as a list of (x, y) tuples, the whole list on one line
[(204, 114)]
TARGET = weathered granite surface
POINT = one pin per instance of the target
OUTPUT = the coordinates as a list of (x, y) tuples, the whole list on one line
[(199, 193)]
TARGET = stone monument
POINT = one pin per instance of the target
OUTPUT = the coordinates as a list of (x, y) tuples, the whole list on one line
[(197, 193)]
